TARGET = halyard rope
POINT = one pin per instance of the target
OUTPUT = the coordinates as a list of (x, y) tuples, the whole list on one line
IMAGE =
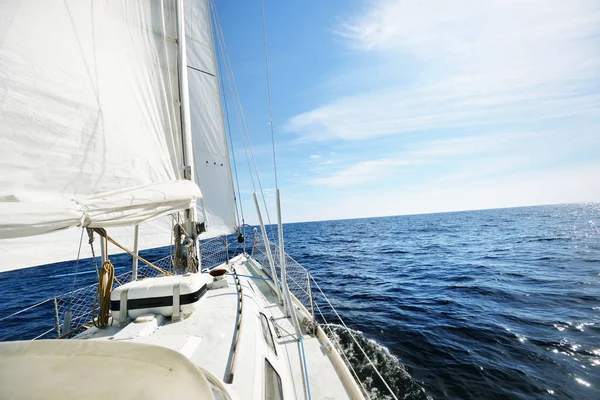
[(102, 232)]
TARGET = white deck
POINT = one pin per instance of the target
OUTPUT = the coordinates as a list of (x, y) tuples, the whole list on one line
[(205, 338)]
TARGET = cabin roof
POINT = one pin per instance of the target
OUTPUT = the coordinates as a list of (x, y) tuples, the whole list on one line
[(90, 369)]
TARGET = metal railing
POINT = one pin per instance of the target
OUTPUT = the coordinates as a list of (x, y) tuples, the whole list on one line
[(298, 276), (67, 314), (346, 341), (216, 251)]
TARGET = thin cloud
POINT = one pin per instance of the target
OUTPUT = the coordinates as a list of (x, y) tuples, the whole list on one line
[(365, 171), (423, 153), (483, 64), (558, 185), (466, 145)]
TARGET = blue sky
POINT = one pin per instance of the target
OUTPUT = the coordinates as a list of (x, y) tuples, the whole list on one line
[(386, 107)]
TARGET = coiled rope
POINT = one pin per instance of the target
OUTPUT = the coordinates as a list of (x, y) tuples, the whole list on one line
[(106, 279), (105, 282)]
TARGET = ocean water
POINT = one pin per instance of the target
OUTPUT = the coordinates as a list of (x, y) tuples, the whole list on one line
[(474, 305), (489, 304)]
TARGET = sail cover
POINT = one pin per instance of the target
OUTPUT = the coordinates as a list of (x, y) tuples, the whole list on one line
[(89, 120), (213, 169)]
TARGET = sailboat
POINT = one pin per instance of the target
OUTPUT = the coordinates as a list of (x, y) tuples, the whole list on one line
[(113, 140)]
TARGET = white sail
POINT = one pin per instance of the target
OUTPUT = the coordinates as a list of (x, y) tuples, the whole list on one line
[(90, 130), (213, 169), (63, 245), (89, 123)]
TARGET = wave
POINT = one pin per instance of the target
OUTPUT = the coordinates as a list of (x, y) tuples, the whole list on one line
[(391, 369), (545, 258), (548, 239), (481, 291), (394, 252)]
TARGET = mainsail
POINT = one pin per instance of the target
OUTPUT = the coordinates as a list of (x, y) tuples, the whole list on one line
[(90, 130)]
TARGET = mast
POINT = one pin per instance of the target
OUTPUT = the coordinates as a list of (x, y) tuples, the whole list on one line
[(186, 124)]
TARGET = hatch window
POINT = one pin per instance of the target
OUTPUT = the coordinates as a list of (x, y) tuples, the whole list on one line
[(273, 388), (266, 330)]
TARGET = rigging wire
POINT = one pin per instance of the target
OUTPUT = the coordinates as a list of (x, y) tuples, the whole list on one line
[(76, 268), (237, 179), (264, 25), (355, 341), (26, 309), (238, 198), (340, 350), (239, 112), (220, 44)]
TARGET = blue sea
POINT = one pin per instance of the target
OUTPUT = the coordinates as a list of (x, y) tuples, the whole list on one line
[(492, 304)]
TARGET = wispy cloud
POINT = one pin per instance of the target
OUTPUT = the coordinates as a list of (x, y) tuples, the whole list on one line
[(482, 64), (459, 146), (423, 153), (557, 185), (436, 105), (365, 171)]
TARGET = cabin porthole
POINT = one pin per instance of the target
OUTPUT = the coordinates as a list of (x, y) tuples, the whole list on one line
[(266, 330)]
